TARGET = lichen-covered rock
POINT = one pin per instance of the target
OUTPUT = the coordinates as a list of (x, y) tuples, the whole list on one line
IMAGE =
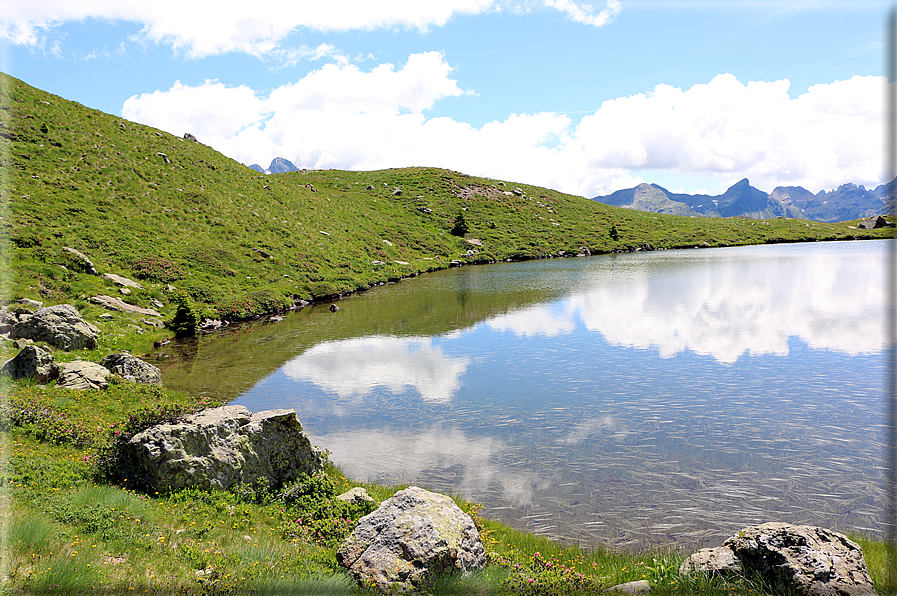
[(82, 375), (412, 537), (31, 362), (806, 559), (132, 368), (58, 325), (719, 560), (218, 448)]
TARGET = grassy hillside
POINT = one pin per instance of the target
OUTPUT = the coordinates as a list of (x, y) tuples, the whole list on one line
[(164, 210)]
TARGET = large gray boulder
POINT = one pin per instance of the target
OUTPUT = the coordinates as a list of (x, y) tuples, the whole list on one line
[(218, 448), (413, 536), (59, 326), (790, 558), (82, 375), (132, 368), (31, 362)]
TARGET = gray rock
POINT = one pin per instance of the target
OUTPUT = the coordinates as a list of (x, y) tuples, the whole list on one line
[(31, 362), (637, 587), (30, 302), (719, 560), (810, 560), (82, 259), (189, 137), (413, 536), (81, 374), (357, 494), (120, 305), (122, 281), (58, 325), (873, 223), (132, 368), (219, 448)]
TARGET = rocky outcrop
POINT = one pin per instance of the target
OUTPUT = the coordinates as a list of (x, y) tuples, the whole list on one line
[(120, 281), (82, 375), (118, 304), (81, 259), (32, 362), (59, 326), (411, 538), (802, 559), (218, 448), (132, 368), (873, 223)]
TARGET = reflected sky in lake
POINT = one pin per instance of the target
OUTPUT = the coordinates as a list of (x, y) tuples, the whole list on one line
[(652, 398)]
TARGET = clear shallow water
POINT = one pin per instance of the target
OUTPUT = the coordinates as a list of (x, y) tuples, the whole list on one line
[(630, 400)]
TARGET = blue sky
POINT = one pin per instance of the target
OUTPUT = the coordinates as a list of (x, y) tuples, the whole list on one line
[(585, 98)]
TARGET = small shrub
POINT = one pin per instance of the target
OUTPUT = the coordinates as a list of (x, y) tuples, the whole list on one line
[(460, 228), (187, 315)]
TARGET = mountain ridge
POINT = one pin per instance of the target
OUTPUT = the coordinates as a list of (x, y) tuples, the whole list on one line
[(849, 201)]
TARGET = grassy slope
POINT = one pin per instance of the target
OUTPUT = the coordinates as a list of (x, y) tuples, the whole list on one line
[(95, 182), (77, 177)]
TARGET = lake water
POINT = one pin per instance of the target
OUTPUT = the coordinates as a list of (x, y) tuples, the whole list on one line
[(664, 398)]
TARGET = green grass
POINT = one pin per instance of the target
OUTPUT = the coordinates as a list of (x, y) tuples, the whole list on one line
[(204, 224)]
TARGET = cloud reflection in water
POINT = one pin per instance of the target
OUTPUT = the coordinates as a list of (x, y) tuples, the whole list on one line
[(351, 368)]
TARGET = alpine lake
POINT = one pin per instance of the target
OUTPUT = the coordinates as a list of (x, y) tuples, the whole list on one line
[(636, 400)]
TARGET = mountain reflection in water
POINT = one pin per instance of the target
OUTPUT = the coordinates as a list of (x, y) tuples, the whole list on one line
[(660, 398)]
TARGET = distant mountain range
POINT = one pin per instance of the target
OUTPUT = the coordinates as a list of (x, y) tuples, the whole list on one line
[(848, 202), (279, 165)]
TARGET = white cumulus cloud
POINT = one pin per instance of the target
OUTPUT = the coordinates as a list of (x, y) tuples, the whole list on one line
[(342, 116)]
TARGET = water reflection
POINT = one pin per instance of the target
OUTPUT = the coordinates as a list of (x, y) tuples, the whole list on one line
[(351, 368), (665, 398)]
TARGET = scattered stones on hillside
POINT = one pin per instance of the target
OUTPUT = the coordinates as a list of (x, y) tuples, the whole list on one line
[(122, 281), (31, 362), (413, 536), (82, 375), (474, 241), (118, 304), (218, 448), (82, 260), (357, 494), (873, 223), (132, 368), (803, 559), (264, 254), (189, 137), (60, 325)]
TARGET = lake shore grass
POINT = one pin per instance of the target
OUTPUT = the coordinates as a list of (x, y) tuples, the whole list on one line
[(69, 529)]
